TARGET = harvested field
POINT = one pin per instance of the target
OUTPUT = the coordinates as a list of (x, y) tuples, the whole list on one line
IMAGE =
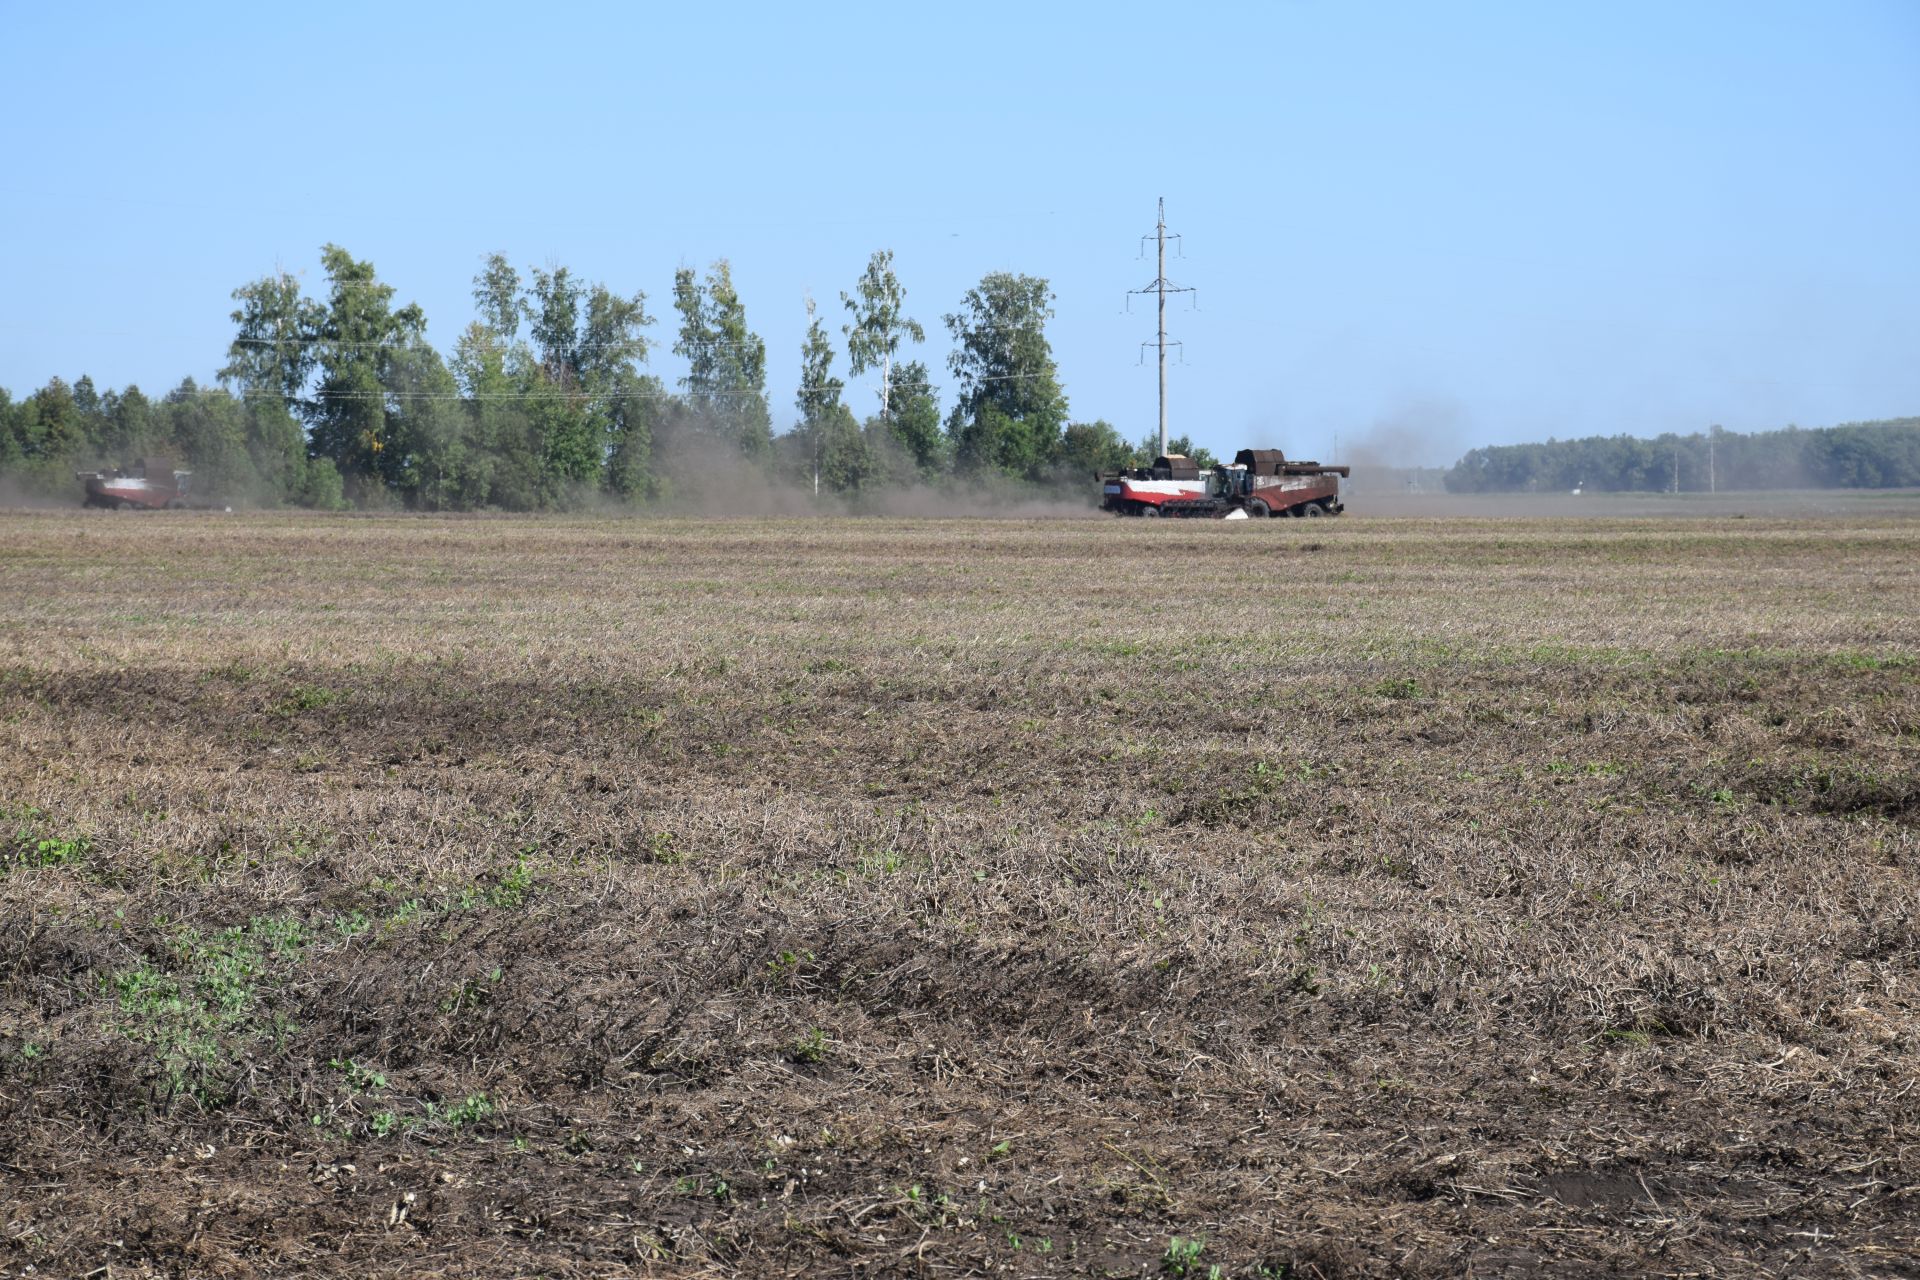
[(405, 896)]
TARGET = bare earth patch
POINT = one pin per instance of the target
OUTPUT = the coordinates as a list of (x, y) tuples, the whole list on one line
[(501, 897)]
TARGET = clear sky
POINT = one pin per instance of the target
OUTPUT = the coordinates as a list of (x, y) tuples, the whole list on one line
[(1427, 225)]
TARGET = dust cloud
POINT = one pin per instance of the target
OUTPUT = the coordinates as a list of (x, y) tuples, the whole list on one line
[(731, 489), (18, 495)]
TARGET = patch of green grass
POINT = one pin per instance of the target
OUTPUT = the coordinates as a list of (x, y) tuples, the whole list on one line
[(200, 1006), (471, 1109), (32, 845), (880, 861), (472, 993), (809, 1048), (662, 849), (1855, 661), (786, 967), (1182, 1257), (305, 697), (510, 890), (55, 852), (359, 1079)]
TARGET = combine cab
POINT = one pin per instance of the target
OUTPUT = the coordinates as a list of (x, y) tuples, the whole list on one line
[(152, 485), (1143, 491), (1261, 483)]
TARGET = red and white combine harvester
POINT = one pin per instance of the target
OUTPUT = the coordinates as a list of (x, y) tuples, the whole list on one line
[(1256, 484), (153, 485)]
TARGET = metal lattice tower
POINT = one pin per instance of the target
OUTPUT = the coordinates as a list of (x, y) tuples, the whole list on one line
[(1160, 287)]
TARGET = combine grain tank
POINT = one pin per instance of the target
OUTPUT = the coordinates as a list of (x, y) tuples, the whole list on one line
[(152, 485), (1261, 483), (1142, 491)]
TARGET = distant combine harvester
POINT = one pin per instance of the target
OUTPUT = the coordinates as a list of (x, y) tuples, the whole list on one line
[(153, 485), (1256, 484)]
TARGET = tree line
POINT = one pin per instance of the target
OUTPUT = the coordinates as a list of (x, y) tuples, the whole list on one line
[(547, 400), (1855, 455)]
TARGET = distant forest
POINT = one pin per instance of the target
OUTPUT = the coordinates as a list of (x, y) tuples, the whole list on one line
[(1856, 455), (545, 400)]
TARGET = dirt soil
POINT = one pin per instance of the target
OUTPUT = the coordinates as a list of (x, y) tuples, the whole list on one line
[(510, 897)]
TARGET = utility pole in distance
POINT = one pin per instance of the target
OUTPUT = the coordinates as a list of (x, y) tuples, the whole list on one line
[(1160, 288)]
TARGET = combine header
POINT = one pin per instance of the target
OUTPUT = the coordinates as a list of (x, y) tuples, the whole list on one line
[(1258, 483), (152, 485), (1142, 491)]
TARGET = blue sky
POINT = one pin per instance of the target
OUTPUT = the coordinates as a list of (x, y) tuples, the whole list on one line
[(1418, 226)]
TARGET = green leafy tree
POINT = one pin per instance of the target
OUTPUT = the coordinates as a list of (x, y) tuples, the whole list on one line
[(1177, 446), (819, 390), (830, 435), (612, 341), (11, 452), (275, 343), (567, 436), (495, 419), (1851, 455), (496, 293), (572, 434), (209, 427), (552, 307), (276, 450), (847, 461), (726, 382), (504, 461), (913, 427), (45, 436), (321, 487), (1089, 447), (632, 422), (878, 324), (53, 429), (425, 460), (90, 419), (613, 347), (130, 424), (589, 404), (357, 339), (86, 397), (1010, 406)]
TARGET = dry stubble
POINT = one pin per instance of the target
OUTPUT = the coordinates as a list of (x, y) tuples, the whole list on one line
[(497, 897)]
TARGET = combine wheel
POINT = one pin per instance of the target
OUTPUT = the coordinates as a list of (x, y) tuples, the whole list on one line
[(1150, 511), (1313, 509), (1258, 509)]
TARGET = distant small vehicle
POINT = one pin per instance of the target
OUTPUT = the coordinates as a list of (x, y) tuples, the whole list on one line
[(152, 486)]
